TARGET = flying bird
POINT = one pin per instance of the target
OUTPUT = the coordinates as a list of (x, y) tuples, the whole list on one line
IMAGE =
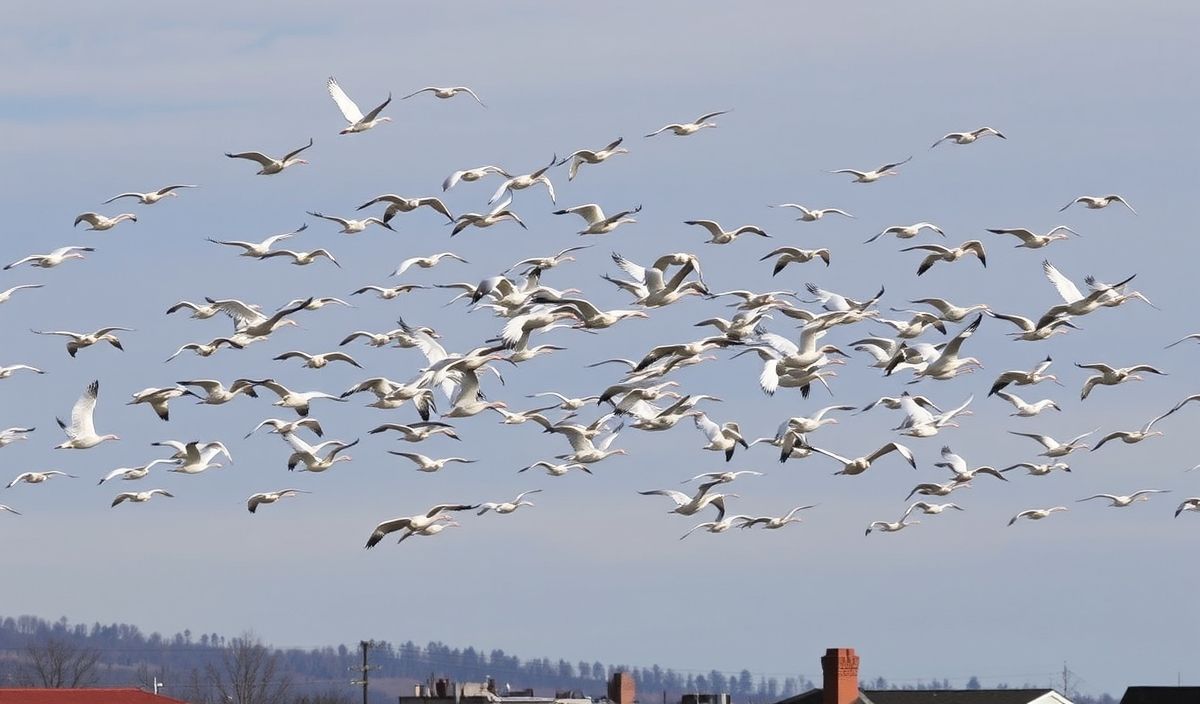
[(358, 122)]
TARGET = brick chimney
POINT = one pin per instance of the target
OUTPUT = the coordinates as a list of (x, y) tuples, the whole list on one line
[(621, 689), (840, 684)]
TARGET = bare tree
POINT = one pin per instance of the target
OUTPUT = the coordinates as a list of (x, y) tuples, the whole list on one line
[(56, 663), (249, 673)]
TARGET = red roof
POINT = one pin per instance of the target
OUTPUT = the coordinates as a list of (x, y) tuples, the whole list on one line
[(126, 695)]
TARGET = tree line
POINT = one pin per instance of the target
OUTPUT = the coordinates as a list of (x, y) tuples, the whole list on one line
[(209, 668)]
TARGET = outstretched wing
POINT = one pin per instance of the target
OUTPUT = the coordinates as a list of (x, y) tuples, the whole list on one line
[(349, 110)]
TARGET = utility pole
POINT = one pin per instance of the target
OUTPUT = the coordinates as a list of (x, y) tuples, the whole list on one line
[(365, 669)]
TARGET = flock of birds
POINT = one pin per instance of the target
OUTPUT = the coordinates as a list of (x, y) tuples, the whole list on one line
[(448, 385)]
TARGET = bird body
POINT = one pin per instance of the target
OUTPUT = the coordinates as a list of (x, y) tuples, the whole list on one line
[(358, 122), (271, 165), (99, 222), (81, 432)]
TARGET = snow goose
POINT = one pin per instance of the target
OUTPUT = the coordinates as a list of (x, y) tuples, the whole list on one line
[(10, 435), (1032, 240), (270, 497), (1036, 514), (1027, 410), (948, 254), (206, 349), (690, 505), (1038, 470), (53, 259), (38, 477), (947, 364), (199, 312), (318, 361), (358, 122), (1025, 378), (415, 523), (503, 507), (284, 427), (314, 303), (101, 222), (807, 215), (182, 451), (140, 497), (400, 204), (427, 262), (1192, 504), (886, 527), (249, 321), (588, 156), (1030, 330), (445, 92), (152, 197), (683, 129), (1109, 376), (1075, 303), (721, 236), (1131, 437), (897, 402), (271, 165), (930, 509), (302, 258), (498, 214), (790, 255), (9, 509), (597, 222), (81, 433), (875, 174), (79, 340), (425, 463), (556, 470), (584, 450), (1098, 202), (566, 403), (720, 526), (216, 393), (967, 137), (913, 328), (418, 432), (775, 522), (1118, 501), (1054, 448), (258, 250), (809, 424), (197, 457), (859, 465), (468, 402), (298, 401), (158, 398), (523, 181), (906, 232), (8, 371), (7, 294), (310, 456), (950, 312), (540, 264), (471, 175), (958, 467), (133, 473), (352, 227), (592, 318), (935, 489), (387, 293)]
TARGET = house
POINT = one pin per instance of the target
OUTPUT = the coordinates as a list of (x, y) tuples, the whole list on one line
[(445, 691), (839, 668), (1161, 695), (97, 695)]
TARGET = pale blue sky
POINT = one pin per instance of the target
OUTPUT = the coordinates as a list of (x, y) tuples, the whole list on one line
[(1094, 97)]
